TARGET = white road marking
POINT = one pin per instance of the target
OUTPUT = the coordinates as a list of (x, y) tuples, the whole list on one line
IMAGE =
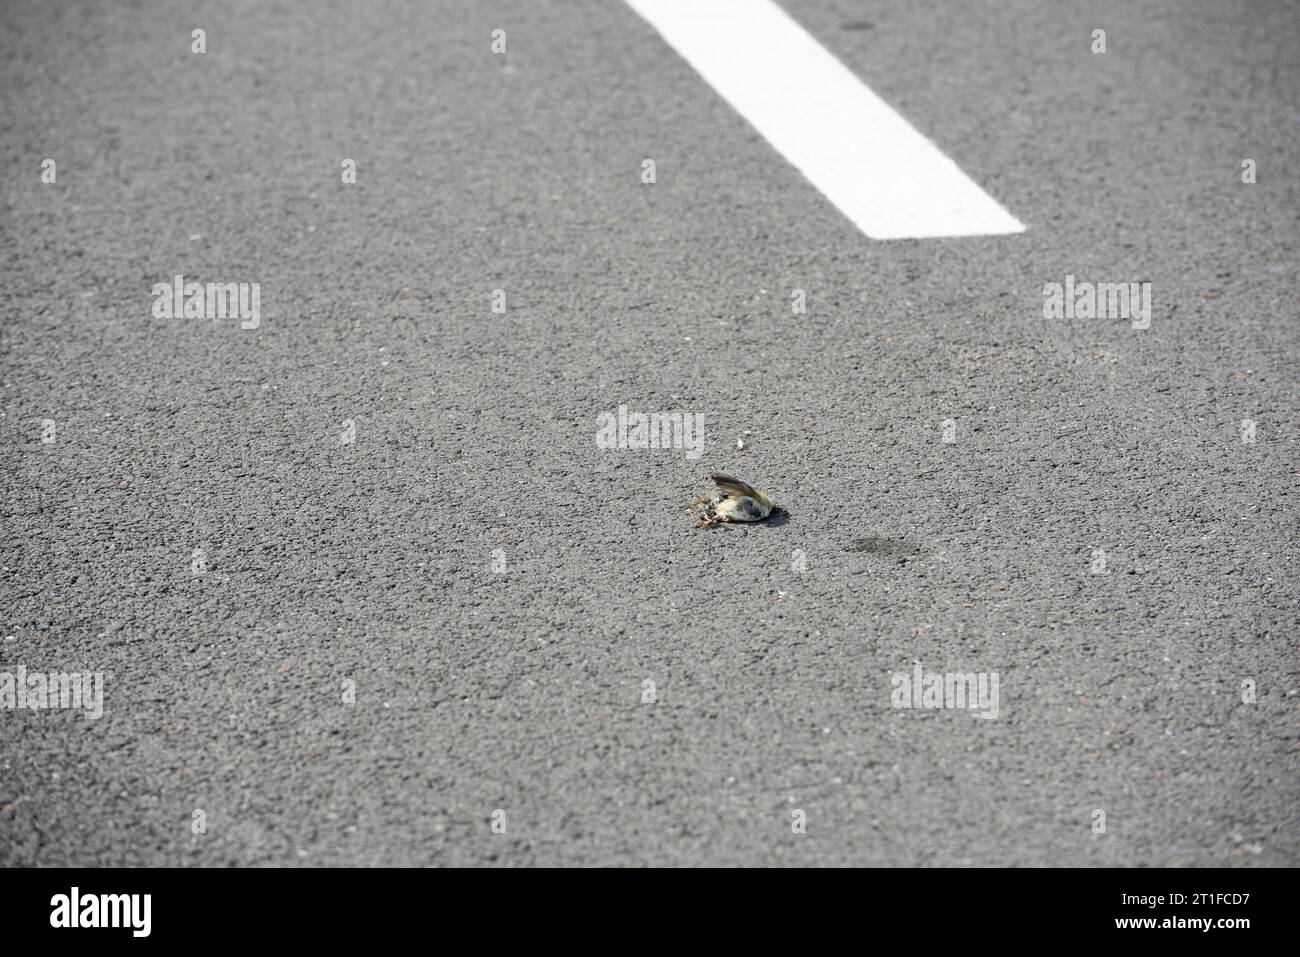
[(883, 175)]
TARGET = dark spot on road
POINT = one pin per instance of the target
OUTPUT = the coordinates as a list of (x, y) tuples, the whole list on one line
[(898, 548)]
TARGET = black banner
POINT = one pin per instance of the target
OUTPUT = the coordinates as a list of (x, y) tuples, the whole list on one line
[(1220, 908)]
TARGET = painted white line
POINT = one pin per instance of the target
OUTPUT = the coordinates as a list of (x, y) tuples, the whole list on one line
[(886, 177)]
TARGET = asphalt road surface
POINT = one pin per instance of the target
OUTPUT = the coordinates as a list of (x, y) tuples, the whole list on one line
[(364, 589)]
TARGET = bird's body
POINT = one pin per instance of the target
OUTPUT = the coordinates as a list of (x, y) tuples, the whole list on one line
[(734, 501)]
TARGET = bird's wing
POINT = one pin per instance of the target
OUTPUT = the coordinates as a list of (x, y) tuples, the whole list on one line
[(731, 485)]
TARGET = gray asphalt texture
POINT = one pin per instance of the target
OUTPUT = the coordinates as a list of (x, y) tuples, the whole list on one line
[(522, 691)]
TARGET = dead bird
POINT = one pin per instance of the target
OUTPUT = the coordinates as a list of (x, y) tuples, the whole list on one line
[(734, 501)]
